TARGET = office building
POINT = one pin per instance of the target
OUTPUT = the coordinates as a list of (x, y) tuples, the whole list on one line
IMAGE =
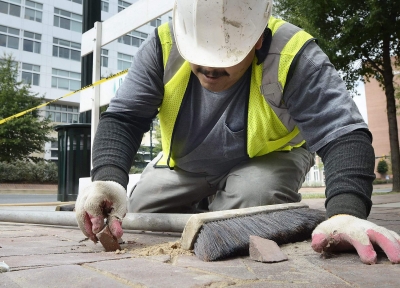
[(44, 37)]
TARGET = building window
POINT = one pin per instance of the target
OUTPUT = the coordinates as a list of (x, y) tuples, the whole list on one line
[(104, 5), (7, 38), (30, 74), (11, 9), (155, 22), (76, 1), (66, 49), (67, 80), (53, 153), (30, 45), (104, 58), (133, 38), (67, 20), (63, 114), (124, 61), (33, 13), (122, 5)]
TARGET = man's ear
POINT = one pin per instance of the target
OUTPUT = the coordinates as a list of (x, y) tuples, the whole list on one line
[(259, 42)]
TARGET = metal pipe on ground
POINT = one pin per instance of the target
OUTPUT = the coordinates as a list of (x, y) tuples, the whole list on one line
[(156, 222)]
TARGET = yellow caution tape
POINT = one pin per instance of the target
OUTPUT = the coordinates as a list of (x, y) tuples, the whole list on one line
[(2, 121)]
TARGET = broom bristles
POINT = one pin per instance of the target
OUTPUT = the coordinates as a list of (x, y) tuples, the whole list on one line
[(226, 238)]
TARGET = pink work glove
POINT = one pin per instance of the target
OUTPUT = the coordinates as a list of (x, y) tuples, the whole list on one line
[(101, 200), (343, 232)]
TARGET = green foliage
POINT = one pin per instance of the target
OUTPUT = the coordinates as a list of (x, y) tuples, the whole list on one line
[(362, 40), (382, 181), (382, 167), (365, 33), (28, 172), (19, 137), (135, 170)]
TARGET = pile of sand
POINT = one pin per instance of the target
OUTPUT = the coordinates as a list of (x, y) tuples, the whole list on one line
[(170, 248)]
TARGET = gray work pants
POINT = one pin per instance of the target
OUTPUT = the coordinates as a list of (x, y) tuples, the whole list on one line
[(270, 179)]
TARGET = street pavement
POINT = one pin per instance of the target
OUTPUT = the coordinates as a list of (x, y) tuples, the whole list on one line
[(53, 256)]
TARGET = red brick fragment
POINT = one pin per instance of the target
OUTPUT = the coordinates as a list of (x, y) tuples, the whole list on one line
[(264, 250), (109, 242)]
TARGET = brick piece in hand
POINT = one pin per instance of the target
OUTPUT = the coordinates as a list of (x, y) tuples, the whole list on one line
[(109, 242), (264, 250)]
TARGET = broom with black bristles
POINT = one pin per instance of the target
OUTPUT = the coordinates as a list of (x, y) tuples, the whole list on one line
[(223, 234)]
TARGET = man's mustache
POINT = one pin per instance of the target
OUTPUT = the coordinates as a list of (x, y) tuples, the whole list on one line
[(212, 73)]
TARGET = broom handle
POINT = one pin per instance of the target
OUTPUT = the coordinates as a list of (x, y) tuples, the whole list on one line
[(156, 222)]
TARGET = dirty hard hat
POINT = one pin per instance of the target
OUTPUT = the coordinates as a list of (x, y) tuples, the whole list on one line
[(219, 33)]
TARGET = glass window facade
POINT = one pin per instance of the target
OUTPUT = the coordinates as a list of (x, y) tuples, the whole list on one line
[(31, 74), (66, 49), (62, 113), (66, 80), (11, 9), (124, 61), (7, 37), (33, 11), (67, 20)]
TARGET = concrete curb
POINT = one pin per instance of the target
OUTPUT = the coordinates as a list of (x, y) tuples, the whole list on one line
[(37, 204), (31, 191)]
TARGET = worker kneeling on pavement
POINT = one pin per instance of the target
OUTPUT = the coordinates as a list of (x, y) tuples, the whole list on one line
[(244, 100)]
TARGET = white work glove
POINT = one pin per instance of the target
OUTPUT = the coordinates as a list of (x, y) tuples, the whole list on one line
[(98, 201), (343, 232)]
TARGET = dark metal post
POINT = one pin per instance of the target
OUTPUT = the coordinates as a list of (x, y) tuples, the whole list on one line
[(91, 13)]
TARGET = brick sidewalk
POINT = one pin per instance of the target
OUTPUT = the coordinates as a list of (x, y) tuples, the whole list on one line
[(46, 256), (318, 190)]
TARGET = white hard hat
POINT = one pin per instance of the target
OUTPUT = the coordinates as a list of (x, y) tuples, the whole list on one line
[(219, 33)]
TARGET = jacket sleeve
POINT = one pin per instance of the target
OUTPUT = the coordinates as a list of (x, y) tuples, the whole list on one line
[(117, 140), (349, 172), (318, 101)]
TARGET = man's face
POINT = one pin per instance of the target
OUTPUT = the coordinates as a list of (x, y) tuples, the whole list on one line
[(220, 79)]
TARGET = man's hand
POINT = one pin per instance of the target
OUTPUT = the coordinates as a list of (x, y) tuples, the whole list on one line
[(101, 200), (342, 232)]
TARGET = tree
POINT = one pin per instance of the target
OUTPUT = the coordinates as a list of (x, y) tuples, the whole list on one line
[(362, 40), (22, 136), (382, 167)]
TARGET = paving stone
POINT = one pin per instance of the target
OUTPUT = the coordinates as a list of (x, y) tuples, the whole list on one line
[(5, 281), (61, 276), (154, 274), (234, 268), (349, 267), (32, 261), (281, 284), (265, 250), (42, 250), (297, 270), (44, 241), (384, 274), (19, 233), (382, 199), (298, 249), (109, 242)]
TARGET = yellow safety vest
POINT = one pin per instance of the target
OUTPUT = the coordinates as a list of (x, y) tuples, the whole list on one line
[(269, 125)]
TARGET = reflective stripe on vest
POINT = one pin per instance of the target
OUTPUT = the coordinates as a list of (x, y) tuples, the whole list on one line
[(269, 125)]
